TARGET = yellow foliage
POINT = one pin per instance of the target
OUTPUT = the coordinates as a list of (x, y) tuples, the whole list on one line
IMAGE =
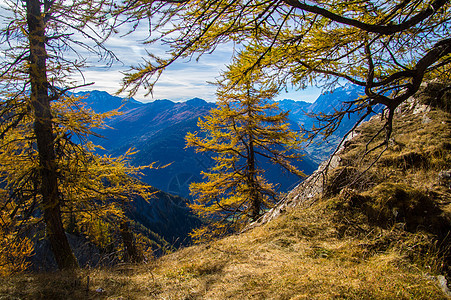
[(241, 132), (94, 189), (14, 249)]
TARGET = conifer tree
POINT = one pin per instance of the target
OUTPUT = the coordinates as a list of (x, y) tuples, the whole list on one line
[(93, 190), (242, 132), (49, 171)]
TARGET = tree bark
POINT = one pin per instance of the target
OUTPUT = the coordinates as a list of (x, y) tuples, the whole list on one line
[(255, 197), (132, 253), (43, 129)]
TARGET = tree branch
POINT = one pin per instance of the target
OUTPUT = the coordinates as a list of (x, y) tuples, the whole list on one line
[(381, 29)]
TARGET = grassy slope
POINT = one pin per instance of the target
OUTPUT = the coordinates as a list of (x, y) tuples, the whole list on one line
[(379, 238)]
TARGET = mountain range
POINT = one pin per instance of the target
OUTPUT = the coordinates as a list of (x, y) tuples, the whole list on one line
[(327, 103), (157, 130)]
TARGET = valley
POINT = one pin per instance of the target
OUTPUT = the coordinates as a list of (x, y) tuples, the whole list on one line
[(157, 130)]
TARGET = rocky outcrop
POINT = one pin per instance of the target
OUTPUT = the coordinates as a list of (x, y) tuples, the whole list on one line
[(311, 189), (305, 193)]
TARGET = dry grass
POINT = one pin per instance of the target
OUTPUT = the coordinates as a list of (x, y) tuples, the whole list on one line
[(352, 245), (300, 255)]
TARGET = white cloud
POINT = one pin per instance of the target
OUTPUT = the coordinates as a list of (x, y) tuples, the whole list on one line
[(181, 81)]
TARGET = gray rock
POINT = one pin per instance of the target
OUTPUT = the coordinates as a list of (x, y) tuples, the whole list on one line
[(444, 178), (443, 284)]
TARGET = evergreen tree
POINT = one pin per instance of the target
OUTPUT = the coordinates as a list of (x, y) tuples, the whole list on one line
[(242, 132)]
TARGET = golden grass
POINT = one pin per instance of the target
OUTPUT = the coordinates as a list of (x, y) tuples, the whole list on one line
[(297, 256), (334, 249)]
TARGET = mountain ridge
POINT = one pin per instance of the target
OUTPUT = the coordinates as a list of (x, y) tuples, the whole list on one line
[(147, 126), (157, 130)]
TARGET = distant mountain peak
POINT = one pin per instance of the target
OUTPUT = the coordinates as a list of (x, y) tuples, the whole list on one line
[(162, 101), (296, 102), (132, 100), (196, 102), (160, 104), (101, 101)]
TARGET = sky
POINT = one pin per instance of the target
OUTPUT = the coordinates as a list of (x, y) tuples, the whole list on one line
[(182, 81)]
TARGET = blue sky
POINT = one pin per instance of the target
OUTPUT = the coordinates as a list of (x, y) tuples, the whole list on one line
[(182, 81)]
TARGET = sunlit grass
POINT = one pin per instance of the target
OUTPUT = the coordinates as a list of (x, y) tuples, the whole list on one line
[(351, 245), (297, 256)]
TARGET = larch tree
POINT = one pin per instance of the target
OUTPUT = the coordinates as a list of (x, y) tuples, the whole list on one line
[(49, 169), (388, 47), (243, 132)]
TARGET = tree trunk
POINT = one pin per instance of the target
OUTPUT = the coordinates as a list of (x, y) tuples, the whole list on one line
[(254, 194), (40, 103), (255, 201), (132, 253)]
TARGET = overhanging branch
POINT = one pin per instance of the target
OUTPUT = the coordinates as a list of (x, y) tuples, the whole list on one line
[(375, 28)]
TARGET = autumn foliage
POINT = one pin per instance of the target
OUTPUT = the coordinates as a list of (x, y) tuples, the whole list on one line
[(243, 132), (94, 189)]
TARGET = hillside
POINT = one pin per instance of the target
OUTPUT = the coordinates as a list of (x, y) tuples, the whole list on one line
[(157, 129), (384, 235), (327, 103), (166, 215), (164, 222)]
